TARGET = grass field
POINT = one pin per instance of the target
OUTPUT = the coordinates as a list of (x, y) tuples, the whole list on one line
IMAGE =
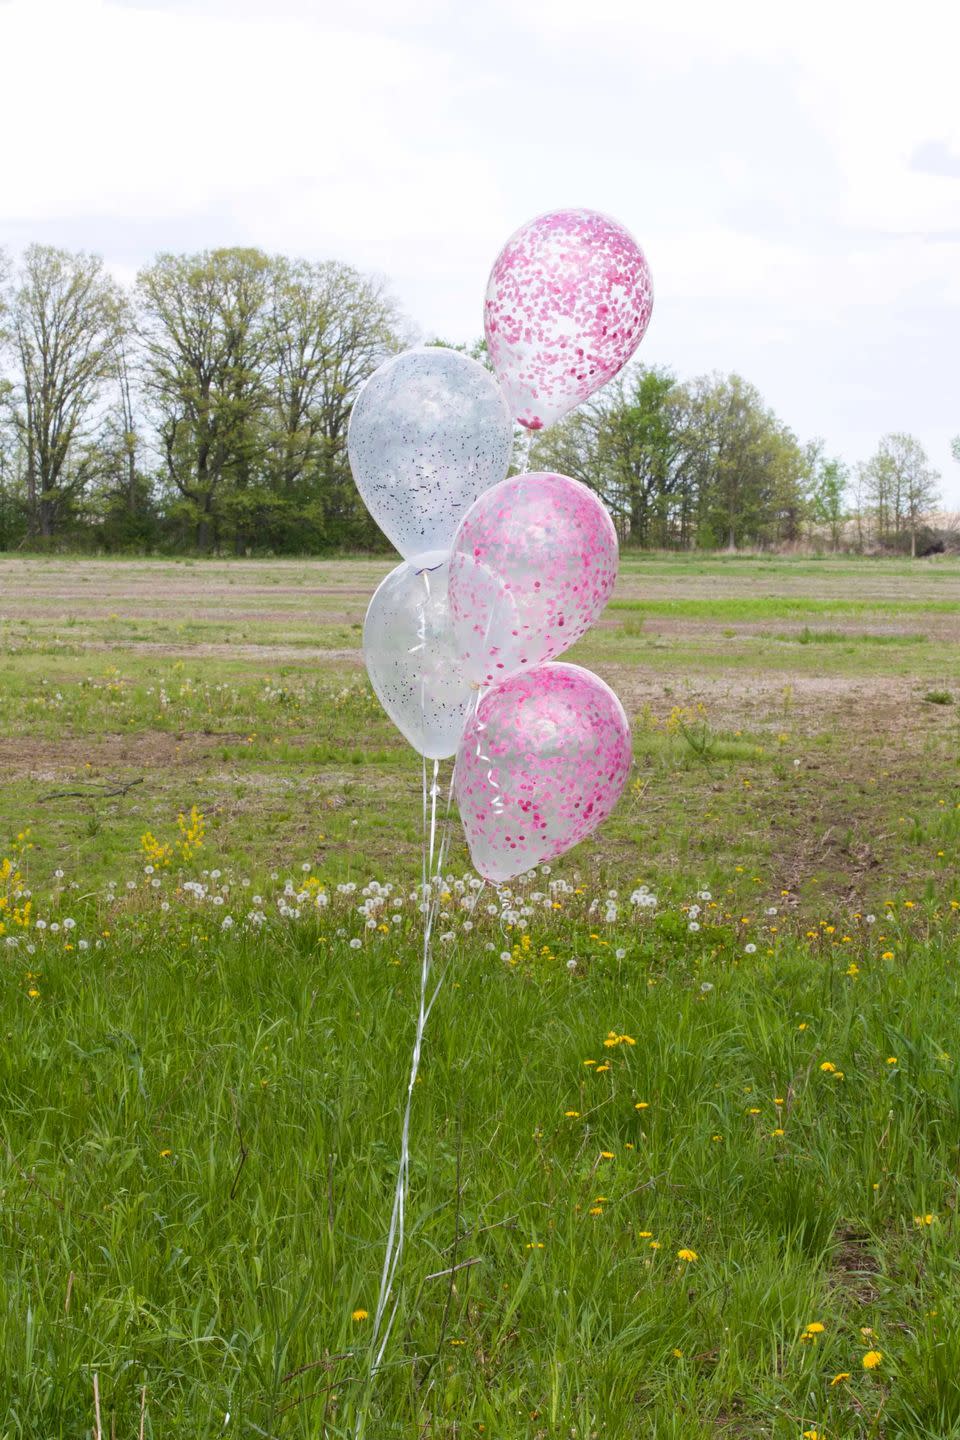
[(700, 1154)]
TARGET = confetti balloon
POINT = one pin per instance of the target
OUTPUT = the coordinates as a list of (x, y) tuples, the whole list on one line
[(568, 301), (428, 432), (533, 564), (542, 763), (411, 657)]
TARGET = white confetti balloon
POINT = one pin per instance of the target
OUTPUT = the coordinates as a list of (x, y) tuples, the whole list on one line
[(429, 432), (412, 659)]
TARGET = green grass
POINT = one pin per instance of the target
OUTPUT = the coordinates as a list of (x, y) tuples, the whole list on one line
[(200, 1124)]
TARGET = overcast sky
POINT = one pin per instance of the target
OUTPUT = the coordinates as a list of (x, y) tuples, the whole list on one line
[(792, 171)]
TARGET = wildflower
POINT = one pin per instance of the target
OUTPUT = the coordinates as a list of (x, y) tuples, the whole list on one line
[(34, 994), (642, 1105), (596, 1209), (872, 1359), (654, 1244), (921, 1220), (839, 1379), (777, 1133), (828, 1067), (165, 1154), (359, 1315), (891, 1060), (812, 1435), (572, 1114), (644, 1234), (606, 1155), (535, 1245), (887, 955), (688, 1255), (815, 1328), (677, 1354)]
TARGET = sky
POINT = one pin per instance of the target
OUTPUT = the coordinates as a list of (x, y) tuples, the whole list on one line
[(792, 172)]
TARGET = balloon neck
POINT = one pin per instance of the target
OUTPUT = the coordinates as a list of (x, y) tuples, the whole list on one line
[(429, 560)]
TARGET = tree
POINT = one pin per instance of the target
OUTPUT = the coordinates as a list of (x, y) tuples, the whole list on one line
[(830, 481), (901, 487), (125, 505), (64, 320), (329, 327), (955, 448), (206, 347)]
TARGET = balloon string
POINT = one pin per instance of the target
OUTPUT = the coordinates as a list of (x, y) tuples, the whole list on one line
[(431, 866)]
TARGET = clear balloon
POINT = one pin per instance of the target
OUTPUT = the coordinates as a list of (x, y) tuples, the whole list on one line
[(428, 432), (568, 301), (542, 763), (412, 660), (534, 561)]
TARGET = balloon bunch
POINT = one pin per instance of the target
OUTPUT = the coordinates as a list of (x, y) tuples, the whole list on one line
[(502, 575)]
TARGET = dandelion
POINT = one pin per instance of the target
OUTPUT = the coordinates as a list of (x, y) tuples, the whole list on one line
[(165, 1154), (891, 1060), (572, 1114), (642, 1105), (839, 1379), (872, 1359), (596, 1209), (688, 1255), (828, 1067), (815, 1328), (359, 1315), (677, 1354)]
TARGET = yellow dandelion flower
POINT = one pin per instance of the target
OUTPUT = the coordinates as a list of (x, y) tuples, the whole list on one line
[(572, 1114), (645, 1234), (815, 1328), (165, 1154), (892, 1060), (839, 1379), (359, 1315), (654, 1244), (642, 1105), (828, 1067), (872, 1359), (596, 1209), (606, 1155), (677, 1354), (688, 1255)]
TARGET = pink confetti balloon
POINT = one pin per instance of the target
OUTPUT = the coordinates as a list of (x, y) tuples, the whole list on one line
[(543, 761), (568, 300), (533, 563)]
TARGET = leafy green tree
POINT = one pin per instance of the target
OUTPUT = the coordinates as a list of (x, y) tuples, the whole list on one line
[(65, 315), (753, 471), (831, 479), (206, 355)]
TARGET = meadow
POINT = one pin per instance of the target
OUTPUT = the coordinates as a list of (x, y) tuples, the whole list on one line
[(687, 1133)]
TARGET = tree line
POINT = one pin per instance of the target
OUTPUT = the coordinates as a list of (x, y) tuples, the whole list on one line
[(206, 408)]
